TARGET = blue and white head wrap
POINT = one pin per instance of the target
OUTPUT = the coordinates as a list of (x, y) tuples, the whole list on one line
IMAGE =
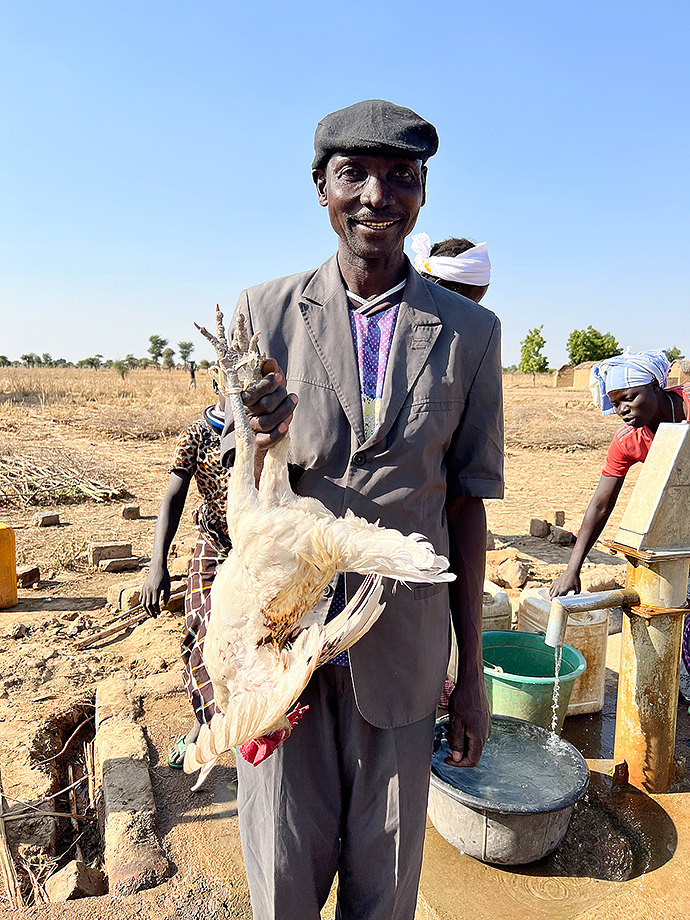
[(627, 370), (215, 417)]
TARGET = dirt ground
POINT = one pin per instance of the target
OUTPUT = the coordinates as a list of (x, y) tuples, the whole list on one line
[(556, 444)]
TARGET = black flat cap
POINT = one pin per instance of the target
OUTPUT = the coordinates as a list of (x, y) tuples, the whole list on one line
[(374, 126)]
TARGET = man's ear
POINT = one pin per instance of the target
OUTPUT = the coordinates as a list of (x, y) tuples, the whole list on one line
[(319, 179)]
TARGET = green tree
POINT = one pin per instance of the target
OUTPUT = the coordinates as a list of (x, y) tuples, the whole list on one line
[(4, 361), (532, 361), (591, 345), (156, 347), (46, 360), (673, 354), (204, 364), (131, 361), (121, 367), (143, 363), (168, 356), (185, 349), (94, 362), (31, 360)]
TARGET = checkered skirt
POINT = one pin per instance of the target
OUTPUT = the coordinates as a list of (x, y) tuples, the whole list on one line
[(197, 605)]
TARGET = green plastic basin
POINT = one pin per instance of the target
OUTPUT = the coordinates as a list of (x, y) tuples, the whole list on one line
[(519, 674)]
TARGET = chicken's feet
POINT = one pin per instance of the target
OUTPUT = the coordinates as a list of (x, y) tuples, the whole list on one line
[(239, 363)]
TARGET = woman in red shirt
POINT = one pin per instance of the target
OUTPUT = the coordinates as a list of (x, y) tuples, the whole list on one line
[(632, 386)]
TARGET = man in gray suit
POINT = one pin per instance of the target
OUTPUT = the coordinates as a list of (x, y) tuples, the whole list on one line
[(400, 420)]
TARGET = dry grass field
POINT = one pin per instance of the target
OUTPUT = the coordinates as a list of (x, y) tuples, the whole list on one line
[(146, 406), (82, 425), (61, 428)]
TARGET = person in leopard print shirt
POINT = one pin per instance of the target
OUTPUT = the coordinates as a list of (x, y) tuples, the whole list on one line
[(197, 455)]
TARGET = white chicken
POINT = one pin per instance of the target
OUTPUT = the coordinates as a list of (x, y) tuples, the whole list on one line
[(258, 650)]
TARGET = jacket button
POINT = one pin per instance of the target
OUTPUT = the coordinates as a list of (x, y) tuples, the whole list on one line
[(358, 459), (328, 591)]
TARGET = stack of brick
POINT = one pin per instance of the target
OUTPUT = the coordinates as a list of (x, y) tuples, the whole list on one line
[(112, 557), (134, 858), (551, 527)]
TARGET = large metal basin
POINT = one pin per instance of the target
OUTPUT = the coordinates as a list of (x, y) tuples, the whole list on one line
[(514, 807)]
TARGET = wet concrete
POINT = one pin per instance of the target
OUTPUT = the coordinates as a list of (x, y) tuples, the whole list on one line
[(626, 853)]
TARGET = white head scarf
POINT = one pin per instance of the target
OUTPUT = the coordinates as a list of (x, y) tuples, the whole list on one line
[(627, 370), (470, 267)]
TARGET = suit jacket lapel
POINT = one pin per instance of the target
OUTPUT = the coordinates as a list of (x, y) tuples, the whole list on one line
[(416, 329), (325, 312)]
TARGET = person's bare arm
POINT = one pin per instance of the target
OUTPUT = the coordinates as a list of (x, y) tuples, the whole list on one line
[(597, 514), (157, 582), (469, 724)]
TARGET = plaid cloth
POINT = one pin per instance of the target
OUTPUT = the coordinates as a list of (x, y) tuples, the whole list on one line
[(197, 606)]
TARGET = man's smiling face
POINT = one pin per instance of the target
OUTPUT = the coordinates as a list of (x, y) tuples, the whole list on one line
[(372, 201)]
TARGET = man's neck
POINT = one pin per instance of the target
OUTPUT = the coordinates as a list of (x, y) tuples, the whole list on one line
[(369, 278)]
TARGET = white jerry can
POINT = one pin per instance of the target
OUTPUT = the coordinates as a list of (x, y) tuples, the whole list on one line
[(496, 614), (586, 631)]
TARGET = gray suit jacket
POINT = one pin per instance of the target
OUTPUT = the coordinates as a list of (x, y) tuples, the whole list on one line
[(440, 433)]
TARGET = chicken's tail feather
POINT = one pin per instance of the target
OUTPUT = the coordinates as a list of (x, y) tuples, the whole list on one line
[(257, 714), (360, 546), (354, 620)]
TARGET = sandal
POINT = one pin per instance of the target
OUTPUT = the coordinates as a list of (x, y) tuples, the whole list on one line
[(178, 749)]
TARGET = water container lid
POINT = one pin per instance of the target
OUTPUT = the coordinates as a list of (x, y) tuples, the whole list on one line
[(524, 769)]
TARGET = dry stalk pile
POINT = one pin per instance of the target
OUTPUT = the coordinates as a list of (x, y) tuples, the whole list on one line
[(54, 476), (11, 886)]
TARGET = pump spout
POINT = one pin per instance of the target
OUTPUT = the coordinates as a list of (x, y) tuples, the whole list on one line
[(555, 628), (562, 607)]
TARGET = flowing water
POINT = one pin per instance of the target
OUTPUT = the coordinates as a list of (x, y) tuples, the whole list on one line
[(558, 658)]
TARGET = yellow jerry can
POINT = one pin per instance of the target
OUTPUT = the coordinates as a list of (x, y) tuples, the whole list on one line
[(8, 568)]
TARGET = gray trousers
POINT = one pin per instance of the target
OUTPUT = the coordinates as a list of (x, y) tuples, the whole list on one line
[(339, 796)]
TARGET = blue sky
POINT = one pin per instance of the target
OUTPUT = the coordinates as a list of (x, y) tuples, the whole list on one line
[(155, 158)]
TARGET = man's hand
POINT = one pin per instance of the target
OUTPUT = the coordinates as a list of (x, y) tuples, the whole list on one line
[(469, 725), (269, 406)]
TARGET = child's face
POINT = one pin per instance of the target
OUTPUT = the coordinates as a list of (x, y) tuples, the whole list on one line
[(637, 406)]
